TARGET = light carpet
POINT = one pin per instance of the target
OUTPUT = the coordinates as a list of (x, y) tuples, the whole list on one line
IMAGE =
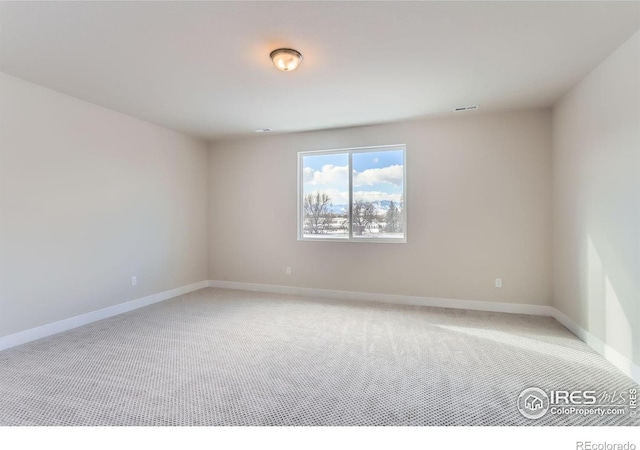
[(223, 357)]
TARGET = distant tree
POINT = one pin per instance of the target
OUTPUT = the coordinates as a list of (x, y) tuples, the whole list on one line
[(392, 218), (363, 213), (401, 216), (316, 212)]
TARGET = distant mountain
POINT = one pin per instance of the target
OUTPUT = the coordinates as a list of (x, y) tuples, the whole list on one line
[(338, 209), (381, 207)]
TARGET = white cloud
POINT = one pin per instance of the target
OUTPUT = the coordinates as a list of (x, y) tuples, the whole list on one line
[(332, 179), (337, 197), (391, 175), (328, 176), (307, 173), (376, 196)]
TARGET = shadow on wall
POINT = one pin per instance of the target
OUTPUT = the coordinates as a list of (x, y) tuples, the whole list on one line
[(611, 307)]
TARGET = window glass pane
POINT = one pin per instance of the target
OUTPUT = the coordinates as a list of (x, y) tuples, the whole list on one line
[(378, 203), (325, 196)]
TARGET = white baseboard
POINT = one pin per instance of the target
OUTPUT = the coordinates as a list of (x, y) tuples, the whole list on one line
[(613, 356), (33, 334), (514, 308), (616, 358)]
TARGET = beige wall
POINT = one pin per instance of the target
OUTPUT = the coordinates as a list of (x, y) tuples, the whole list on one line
[(88, 198), (478, 209), (596, 201)]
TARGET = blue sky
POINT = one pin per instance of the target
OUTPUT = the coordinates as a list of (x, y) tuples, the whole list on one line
[(316, 162), (377, 160), (377, 175), (361, 161)]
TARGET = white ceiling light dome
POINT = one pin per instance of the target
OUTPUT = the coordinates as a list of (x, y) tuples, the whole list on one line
[(286, 59)]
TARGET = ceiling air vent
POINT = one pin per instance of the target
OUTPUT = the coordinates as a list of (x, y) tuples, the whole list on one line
[(466, 108)]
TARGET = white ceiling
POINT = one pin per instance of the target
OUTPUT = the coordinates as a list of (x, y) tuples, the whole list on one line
[(204, 67)]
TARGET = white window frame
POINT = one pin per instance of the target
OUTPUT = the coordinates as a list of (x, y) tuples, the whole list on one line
[(350, 152)]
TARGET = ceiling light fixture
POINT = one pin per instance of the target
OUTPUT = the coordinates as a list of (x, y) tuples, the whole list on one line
[(286, 59)]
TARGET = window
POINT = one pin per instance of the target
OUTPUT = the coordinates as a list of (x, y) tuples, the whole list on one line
[(353, 194)]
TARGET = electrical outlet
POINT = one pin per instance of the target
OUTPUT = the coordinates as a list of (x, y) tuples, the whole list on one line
[(498, 282), (134, 281), (287, 270)]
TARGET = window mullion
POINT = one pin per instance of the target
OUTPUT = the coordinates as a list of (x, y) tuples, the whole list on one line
[(350, 195)]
